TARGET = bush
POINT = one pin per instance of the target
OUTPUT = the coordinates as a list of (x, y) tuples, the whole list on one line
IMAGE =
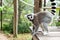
[(23, 26), (57, 23), (8, 28)]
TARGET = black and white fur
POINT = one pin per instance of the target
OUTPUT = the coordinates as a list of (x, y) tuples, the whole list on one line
[(44, 18), (53, 8)]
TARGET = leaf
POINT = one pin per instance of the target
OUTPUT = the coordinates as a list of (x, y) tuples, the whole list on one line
[(1, 8)]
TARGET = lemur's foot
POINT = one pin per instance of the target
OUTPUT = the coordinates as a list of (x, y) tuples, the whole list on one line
[(45, 33)]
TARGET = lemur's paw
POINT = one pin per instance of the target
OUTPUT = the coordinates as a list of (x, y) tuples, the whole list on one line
[(45, 33)]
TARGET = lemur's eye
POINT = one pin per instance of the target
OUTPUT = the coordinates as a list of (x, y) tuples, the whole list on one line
[(31, 17)]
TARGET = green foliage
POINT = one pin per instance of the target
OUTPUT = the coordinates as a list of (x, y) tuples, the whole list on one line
[(57, 23), (7, 29), (1, 8), (23, 24)]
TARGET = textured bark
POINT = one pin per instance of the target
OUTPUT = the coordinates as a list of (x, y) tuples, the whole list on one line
[(15, 21)]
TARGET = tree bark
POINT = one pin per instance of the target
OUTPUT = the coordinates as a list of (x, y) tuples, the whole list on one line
[(15, 21)]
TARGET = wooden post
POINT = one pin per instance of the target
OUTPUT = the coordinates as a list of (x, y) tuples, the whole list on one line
[(1, 13), (15, 21), (37, 8)]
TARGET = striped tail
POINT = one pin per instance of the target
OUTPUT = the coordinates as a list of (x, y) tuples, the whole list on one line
[(53, 8)]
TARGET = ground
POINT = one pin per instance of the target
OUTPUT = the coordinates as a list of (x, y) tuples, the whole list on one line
[(25, 36), (3, 36), (54, 34)]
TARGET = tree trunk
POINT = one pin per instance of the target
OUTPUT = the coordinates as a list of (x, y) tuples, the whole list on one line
[(15, 21)]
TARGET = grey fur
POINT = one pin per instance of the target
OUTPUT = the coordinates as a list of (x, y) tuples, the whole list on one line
[(43, 17)]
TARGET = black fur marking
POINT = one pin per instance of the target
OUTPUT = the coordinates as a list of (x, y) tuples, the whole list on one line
[(53, 3), (53, 11), (52, 0), (53, 7)]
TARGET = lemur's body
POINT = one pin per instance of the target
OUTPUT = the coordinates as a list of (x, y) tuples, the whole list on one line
[(43, 18)]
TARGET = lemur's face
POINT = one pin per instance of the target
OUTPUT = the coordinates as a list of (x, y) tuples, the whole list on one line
[(30, 16)]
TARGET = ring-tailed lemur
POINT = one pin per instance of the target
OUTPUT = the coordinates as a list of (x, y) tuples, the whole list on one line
[(43, 17)]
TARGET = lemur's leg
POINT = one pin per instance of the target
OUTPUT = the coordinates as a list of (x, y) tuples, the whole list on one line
[(41, 25), (35, 29), (45, 25)]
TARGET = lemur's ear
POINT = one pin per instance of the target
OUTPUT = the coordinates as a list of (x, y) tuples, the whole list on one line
[(32, 13), (26, 16)]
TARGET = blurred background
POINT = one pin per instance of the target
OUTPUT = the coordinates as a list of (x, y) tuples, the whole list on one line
[(25, 7)]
